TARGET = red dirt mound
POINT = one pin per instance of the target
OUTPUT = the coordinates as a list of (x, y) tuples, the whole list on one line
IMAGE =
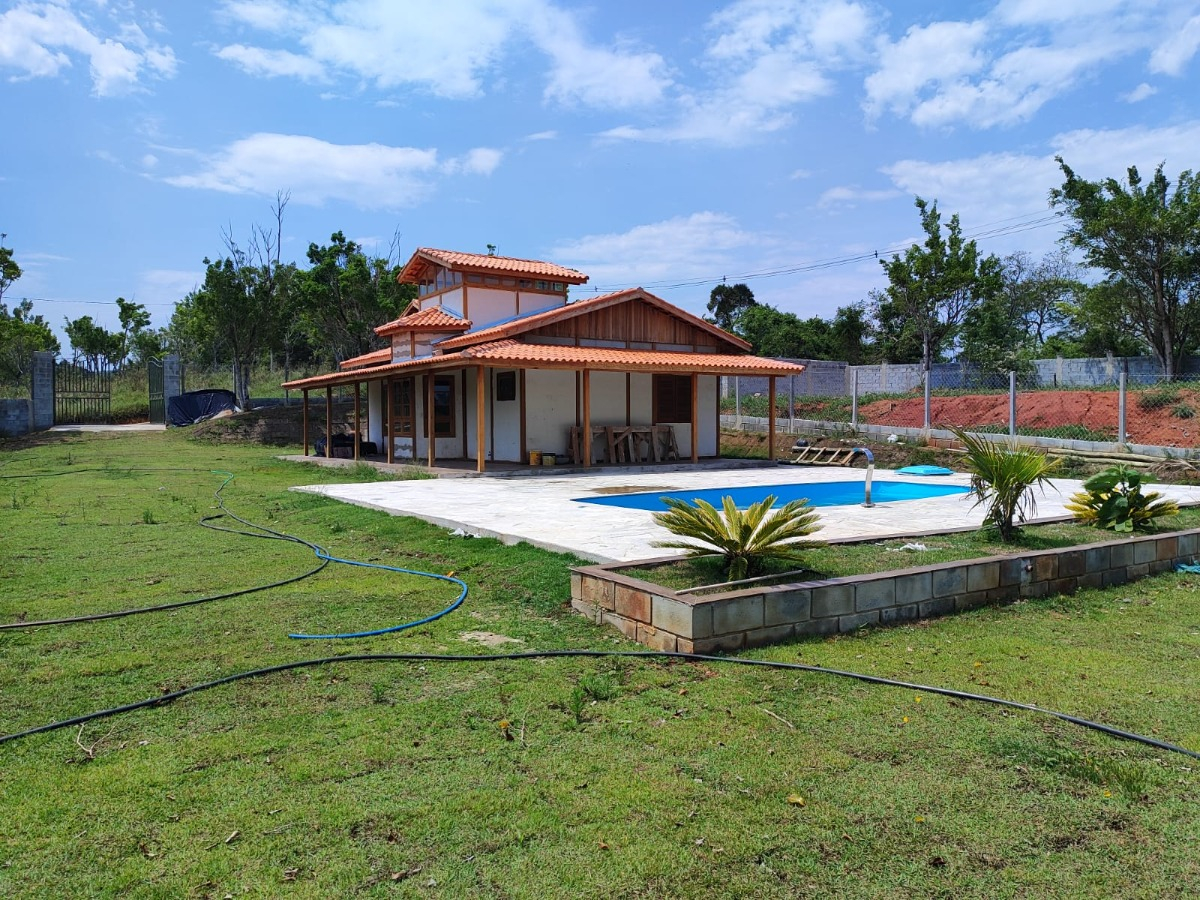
[(1169, 424)]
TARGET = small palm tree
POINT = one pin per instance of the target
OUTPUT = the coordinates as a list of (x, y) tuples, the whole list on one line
[(1002, 477), (742, 538)]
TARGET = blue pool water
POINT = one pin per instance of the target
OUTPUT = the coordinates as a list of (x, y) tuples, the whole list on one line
[(829, 493)]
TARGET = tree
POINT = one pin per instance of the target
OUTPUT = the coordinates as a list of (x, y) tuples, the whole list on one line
[(1039, 294), (9, 270), (727, 302), (21, 333), (134, 319), (931, 288), (346, 295), (995, 336), (240, 302), (96, 344), (1146, 239)]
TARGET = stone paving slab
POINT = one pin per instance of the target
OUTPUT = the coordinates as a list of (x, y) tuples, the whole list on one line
[(543, 511)]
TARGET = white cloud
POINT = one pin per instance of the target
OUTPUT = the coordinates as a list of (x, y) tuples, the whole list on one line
[(940, 54), (695, 246), (1002, 68), (1139, 93), (272, 63), (542, 136), (767, 57), (1177, 50), (40, 40), (448, 47), (156, 286), (995, 186), (851, 196), (800, 173), (369, 176), (480, 161)]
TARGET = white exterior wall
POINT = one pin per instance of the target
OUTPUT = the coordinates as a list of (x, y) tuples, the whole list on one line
[(488, 305), (452, 300), (641, 398), (375, 413), (549, 409), (507, 420)]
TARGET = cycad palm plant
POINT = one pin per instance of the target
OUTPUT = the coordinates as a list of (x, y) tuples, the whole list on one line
[(1003, 476), (743, 539)]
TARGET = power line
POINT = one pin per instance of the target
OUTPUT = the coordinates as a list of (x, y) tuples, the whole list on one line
[(1018, 225)]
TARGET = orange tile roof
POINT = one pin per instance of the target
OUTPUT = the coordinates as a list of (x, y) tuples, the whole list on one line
[(582, 307), (452, 259), (435, 318), (374, 358), (370, 374), (551, 355)]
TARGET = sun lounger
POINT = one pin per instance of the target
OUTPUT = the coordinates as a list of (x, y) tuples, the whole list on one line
[(824, 456)]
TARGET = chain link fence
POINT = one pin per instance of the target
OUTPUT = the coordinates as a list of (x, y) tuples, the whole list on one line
[(1163, 416)]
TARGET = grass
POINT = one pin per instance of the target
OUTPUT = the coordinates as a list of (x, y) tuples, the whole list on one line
[(569, 778)]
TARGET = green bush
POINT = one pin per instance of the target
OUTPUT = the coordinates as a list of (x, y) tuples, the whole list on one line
[(1113, 499)]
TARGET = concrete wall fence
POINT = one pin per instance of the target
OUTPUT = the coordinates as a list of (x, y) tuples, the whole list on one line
[(14, 418), (828, 378), (667, 620)]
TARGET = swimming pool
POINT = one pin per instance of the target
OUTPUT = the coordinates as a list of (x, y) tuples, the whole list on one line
[(828, 493)]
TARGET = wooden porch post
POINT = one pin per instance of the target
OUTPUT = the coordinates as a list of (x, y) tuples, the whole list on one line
[(328, 422), (429, 437), (389, 413), (480, 430), (771, 419), (586, 431), (695, 417), (357, 419), (304, 418)]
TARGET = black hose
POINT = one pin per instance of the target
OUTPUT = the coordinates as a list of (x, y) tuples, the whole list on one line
[(261, 531), (206, 522), (639, 654)]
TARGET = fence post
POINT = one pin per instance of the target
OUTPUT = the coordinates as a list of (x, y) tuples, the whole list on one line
[(854, 399), (1122, 397), (928, 401), (1012, 406), (737, 402)]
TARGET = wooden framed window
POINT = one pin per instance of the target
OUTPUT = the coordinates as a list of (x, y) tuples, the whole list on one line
[(403, 409), (673, 398), (443, 408), (506, 386)]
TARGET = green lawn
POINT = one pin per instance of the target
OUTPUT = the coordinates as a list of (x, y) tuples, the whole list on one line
[(544, 778)]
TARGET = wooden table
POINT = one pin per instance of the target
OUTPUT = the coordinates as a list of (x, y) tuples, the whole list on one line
[(627, 443)]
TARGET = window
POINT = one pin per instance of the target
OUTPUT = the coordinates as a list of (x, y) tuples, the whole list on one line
[(443, 407), (506, 386), (672, 398), (402, 406)]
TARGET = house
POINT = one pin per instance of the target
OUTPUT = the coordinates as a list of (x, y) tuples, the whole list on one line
[(494, 360)]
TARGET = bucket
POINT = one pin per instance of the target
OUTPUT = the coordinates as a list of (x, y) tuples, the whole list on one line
[(535, 457), (549, 459)]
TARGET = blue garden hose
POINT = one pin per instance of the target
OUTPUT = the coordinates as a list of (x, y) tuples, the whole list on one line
[(324, 556)]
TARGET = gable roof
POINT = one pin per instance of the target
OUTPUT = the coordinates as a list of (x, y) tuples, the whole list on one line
[(583, 307), (482, 262), (374, 358), (435, 318)]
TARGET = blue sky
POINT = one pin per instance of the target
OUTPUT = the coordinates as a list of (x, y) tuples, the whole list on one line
[(667, 144)]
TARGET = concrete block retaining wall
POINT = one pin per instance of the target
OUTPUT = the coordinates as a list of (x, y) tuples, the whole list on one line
[(14, 418), (667, 620)]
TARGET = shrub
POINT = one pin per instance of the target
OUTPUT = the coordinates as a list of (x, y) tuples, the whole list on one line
[(744, 539), (1157, 398), (1113, 499), (1183, 411), (1002, 478)]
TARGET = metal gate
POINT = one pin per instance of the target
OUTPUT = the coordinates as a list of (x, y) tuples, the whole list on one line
[(158, 407), (82, 396)]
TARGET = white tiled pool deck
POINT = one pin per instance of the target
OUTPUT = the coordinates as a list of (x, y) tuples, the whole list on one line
[(543, 510)]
